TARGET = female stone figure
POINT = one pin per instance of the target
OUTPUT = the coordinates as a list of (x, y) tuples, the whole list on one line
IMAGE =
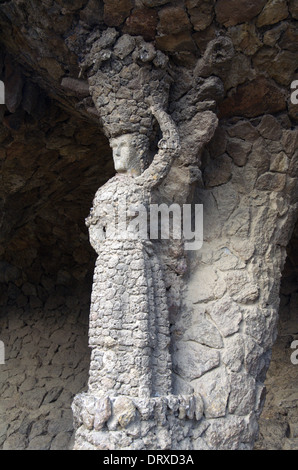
[(129, 402), (129, 330)]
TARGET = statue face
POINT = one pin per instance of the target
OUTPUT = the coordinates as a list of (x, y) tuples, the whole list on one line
[(124, 153)]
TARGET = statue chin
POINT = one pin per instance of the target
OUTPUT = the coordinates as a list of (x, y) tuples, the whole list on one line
[(121, 169)]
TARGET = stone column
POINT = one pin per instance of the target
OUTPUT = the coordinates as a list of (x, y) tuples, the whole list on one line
[(229, 321)]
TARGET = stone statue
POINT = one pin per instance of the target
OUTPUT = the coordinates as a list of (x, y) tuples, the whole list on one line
[(130, 378), (129, 329)]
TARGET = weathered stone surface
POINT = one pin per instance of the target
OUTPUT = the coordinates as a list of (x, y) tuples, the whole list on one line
[(240, 287), (202, 285), (172, 20), (51, 165), (234, 12), (78, 87), (242, 395), (142, 22), (116, 16), (176, 42), (270, 128), (124, 411), (217, 57), (272, 36), (218, 144), (289, 141), (52, 66), (231, 430), (92, 13), (201, 13), (289, 39), (280, 67), (271, 182), (14, 86), (219, 172), (103, 412), (233, 353), (240, 71), (204, 332), (279, 163), (154, 3), (273, 12), (293, 7), (243, 130), (245, 38), (260, 96), (202, 38), (214, 387), (226, 315), (193, 360), (239, 150), (278, 419)]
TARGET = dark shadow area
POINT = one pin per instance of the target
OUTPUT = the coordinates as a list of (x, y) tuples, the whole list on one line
[(50, 167)]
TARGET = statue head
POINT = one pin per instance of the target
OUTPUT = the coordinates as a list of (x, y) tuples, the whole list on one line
[(130, 152)]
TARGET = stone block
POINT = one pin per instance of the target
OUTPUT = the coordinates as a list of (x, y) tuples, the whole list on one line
[(232, 12), (226, 315), (204, 332), (279, 163), (201, 13), (218, 172), (255, 98), (280, 66), (193, 360), (241, 288), (214, 388), (232, 355), (238, 150), (173, 20), (155, 3), (273, 12), (176, 42), (116, 13), (269, 128), (293, 7), (142, 22), (245, 38)]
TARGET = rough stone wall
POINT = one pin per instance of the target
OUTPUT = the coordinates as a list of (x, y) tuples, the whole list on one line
[(47, 360), (249, 186), (229, 320), (278, 422), (51, 164)]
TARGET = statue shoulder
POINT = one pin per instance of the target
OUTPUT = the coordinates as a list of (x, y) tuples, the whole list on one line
[(117, 186)]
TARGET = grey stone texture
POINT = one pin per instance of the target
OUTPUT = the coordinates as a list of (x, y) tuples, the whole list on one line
[(278, 422), (79, 75)]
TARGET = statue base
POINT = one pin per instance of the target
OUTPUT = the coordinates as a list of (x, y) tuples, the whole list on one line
[(130, 423)]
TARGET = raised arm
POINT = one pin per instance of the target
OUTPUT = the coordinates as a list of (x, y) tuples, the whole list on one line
[(169, 148)]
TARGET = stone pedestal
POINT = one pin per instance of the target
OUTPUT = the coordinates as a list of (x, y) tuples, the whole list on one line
[(113, 423)]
